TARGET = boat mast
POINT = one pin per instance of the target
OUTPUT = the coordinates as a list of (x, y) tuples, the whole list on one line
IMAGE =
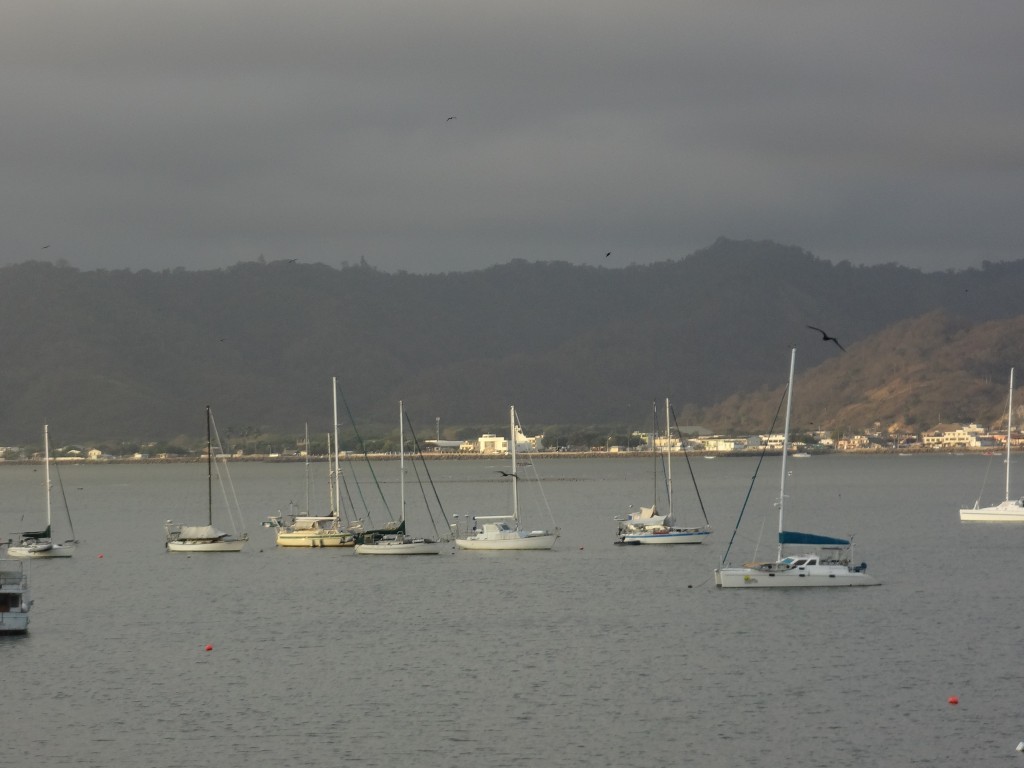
[(654, 453), (330, 479), (515, 477), (668, 461), (785, 446), (209, 470), (46, 474), (337, 469), (401, 457), (307, 468), (1009, 432)]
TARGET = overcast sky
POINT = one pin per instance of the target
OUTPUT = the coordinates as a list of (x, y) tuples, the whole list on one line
[(201, 134)]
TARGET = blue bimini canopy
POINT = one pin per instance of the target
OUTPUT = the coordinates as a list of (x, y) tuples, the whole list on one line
[(795, 537)]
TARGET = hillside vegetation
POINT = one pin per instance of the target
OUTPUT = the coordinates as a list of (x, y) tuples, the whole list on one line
[(135, 355)]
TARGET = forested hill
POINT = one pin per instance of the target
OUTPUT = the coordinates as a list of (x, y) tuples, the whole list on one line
[(104, 355)]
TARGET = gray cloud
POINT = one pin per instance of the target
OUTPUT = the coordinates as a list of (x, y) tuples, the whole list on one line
[(195, 134)]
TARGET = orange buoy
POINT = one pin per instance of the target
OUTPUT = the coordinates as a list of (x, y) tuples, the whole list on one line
[(954, 700), (209, 647)]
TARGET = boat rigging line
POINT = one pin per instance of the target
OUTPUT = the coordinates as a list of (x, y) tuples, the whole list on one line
[(426, 470), (366, 456), (689, 466), (757, 469)]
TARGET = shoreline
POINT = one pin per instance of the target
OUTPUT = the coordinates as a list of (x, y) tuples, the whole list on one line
[(442, 456)]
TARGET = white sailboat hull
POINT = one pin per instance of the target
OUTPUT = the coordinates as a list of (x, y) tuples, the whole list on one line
[(524, 540), (769, 576), (222, 545), (671, 536), (39, 551), (400, 547), (1011, 511)]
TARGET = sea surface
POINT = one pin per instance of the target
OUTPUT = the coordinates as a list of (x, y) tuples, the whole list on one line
[(588, 655)]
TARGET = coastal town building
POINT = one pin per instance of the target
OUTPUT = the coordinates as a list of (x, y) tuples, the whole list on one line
[(941, 437), (495, 444), (949, 436)]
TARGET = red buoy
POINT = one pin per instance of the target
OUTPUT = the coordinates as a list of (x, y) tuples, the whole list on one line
[(209, 647), (954, 700)]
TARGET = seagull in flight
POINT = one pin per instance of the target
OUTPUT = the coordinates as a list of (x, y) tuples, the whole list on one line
[(503, 473), (450, 118), (826, 337)]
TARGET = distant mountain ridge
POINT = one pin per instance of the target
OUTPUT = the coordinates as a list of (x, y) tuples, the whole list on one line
[(105, 355)]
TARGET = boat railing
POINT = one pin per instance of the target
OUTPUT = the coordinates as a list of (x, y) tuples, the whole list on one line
[(12, 574)]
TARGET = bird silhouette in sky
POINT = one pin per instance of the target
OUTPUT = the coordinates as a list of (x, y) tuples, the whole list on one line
[(503, 473), (608, 254), (826, 337), (45, 247), (292, 261), (450, 118)]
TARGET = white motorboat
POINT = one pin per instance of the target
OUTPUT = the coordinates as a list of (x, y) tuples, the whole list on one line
[(15, 597)]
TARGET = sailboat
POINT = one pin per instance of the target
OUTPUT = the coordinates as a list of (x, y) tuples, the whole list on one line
[(362, 530), (15, 597), (40, 544), (647, 526), (205, 538), (505, 531), (823, 561), (310, 531), (1008, 510), (399, 543)]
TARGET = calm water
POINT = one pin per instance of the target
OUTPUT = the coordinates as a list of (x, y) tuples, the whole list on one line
[(587, 655)]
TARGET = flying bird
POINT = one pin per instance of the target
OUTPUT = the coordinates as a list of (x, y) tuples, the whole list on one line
[(503, 473), (450, 118), (608, 254), (292, 261), (45, 247), (826, 337)]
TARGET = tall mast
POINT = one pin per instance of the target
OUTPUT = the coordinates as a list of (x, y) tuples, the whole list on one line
[(515, 477), (337, 468), (785, 445), (307, 467), (654, 453), (1009, 433), (330, 479), (668, 459), (209, 470), (46, 474), (401, 455)]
